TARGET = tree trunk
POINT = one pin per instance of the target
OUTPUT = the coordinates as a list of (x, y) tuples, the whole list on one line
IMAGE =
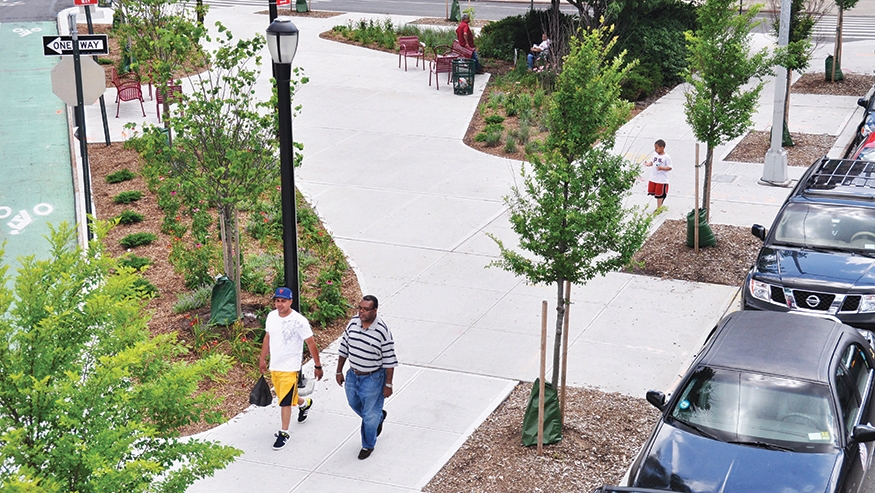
[(837, 55), (557, 341), (706, 187)]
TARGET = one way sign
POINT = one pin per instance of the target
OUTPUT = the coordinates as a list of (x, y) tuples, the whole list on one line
[(89, 44)]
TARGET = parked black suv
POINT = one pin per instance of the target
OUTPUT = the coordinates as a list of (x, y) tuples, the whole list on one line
[(819, 255)]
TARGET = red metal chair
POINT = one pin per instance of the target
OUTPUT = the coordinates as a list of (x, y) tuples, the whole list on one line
[(410, 46), (442, 63), (129, 91), (171, 92), (118, 80)]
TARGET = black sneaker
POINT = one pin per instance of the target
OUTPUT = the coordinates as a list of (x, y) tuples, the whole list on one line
[(304, 410), (380, 426), (281, 439), (365, 453)]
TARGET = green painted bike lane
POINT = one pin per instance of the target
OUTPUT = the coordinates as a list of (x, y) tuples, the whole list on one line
[(36, 178)]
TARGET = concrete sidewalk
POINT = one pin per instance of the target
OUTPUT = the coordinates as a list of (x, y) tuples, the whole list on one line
[(386, 169)]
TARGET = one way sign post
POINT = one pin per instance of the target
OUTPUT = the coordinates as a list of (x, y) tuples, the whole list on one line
[(89, 44)]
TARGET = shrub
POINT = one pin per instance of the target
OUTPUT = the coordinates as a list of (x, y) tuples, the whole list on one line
[(144, 288), (192, 300), (195, 264), (510, 144), (134, 262), (481, 137), (494, 119), (120, 176), (641, 81), (494, 127), (137, 239), (498, 39), (260, 274), (493, 137), (130, 217), (128, 197)]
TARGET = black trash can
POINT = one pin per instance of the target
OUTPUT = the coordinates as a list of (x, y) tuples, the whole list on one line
[(706, 236), (463, 76)]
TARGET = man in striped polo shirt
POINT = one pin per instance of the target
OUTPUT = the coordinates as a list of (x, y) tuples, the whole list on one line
[(367, 344)]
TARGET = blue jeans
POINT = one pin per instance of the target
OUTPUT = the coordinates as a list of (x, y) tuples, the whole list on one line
[(365, 397)]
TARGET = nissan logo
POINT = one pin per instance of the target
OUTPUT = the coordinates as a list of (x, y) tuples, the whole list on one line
[(812, 301)]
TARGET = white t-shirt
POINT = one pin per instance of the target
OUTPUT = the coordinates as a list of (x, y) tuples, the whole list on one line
[(287, 336), (660, 176)]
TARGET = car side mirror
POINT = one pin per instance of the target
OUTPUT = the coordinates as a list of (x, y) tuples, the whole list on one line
[(863, 102), (864, 433), (758, 231), (656, 398)]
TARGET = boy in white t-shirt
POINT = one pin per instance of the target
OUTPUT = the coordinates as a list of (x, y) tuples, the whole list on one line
[(658, 184)]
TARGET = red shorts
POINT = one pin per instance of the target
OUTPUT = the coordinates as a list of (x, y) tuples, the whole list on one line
[(658, 190)]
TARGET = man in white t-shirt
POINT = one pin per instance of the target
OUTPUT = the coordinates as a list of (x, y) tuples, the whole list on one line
[(658, 185), (538, 51), (286, 332)]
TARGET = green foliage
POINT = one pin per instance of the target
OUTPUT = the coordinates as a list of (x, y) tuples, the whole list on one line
[(510, 144), (132, 261), (90, 402), (492, 134), (330, 303), (127, 197), (192, 300), (104, 61), (195, 262), (653, 33), (144, 288), (797, 54), (130, 217), (120, 176), (480, 137), (159, 36), (134, 240), (222, 159), (641, 81), (577, 123), (498, 39), (494, 119), (721, 101), (261, 273), (569, 213), (384, 34)]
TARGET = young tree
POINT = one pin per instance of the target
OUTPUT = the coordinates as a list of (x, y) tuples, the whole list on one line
[(837, 56), (89, 402), (719, 104), (161, 36), (225, 154), (797, 56), (569, 212)]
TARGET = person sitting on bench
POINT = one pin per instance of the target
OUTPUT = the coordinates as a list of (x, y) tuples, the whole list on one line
[(538, 51)]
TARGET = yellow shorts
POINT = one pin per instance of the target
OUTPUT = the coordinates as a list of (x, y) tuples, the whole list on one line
[(285, 384)]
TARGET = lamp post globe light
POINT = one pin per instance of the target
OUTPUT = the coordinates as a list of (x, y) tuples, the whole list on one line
[(282, 41)]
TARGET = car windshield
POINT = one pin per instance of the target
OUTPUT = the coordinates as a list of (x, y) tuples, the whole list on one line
[(826, 226), (759, 410)]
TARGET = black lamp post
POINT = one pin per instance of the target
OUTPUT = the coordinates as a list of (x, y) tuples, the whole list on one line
[(282, 41)]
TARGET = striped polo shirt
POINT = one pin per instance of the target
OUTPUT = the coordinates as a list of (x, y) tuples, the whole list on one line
[(368, 349)]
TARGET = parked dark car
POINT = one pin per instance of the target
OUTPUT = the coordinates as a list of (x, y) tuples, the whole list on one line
[(867, 125), (819, 255), (774, 402)]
